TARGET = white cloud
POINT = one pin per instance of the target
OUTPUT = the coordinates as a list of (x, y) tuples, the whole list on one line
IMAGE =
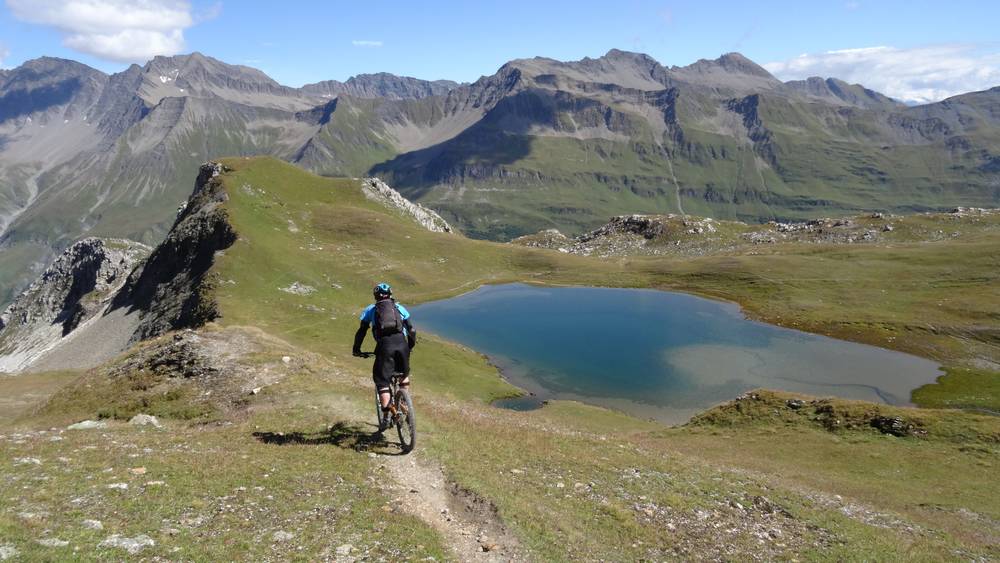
[(915, 75), (117, 30), (366, 43)]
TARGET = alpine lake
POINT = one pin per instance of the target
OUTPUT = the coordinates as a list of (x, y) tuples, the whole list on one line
[(657, 354)]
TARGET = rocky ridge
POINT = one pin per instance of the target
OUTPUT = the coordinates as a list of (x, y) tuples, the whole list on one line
[(722, 137), (673, 234), (377, 190), (101, 296), (170, 290), (75, 289), (381, 85)]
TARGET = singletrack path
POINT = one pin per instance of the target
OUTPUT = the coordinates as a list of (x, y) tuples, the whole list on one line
[(469, 525)]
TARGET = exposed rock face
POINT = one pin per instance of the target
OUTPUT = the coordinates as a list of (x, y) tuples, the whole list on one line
[(624, 234), (644, 225), (382, 85), (73, 290), (838, 91), (549, 238), (616, 134), (377, 190), (95, 301), (169, 291)]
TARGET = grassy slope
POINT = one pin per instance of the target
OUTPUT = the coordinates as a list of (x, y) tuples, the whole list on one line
[(630, 489), (827, 161), (358, 249)]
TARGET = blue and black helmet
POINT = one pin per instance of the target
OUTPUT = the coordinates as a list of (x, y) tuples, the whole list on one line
[(382, 290)]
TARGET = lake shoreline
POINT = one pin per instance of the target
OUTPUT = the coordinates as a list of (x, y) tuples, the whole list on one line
[(659, 354)]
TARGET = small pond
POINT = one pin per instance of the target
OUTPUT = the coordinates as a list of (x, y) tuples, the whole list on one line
[(656, 353)]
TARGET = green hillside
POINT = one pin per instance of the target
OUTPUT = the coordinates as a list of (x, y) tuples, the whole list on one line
[(289, 470), (540, 159)]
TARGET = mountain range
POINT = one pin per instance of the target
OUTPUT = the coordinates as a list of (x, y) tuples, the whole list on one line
[(538, 144)]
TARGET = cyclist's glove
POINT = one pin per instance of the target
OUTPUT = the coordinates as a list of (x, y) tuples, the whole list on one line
[(411, 338)]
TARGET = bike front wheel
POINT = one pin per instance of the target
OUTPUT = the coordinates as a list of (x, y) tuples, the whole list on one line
[(406, 422)]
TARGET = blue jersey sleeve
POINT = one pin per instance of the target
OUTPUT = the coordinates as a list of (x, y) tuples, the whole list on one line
[(368, 315), (402, 311)]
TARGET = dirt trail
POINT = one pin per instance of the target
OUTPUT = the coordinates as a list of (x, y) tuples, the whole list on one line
[(468, 524)]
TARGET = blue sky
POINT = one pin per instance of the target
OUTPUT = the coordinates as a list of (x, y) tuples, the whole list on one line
[(915, 49)]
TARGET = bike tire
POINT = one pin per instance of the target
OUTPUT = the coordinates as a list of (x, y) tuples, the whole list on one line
[(406, 422)]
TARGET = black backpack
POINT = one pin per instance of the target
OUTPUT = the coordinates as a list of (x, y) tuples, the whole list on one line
[(387, 318)]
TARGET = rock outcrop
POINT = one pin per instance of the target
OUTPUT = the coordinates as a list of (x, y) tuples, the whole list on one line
[(623, 235), (169, 292), (381, 85), (76, 288), (377, 190), (97, 298)]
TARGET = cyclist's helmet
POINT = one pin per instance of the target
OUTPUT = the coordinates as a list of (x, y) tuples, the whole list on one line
[(382, 290)]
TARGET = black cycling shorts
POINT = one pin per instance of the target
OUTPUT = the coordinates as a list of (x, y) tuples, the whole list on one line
[(392, 355)]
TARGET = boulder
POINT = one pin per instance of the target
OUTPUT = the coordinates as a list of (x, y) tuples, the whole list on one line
[(87, 425), (131, 545), (145, 420)]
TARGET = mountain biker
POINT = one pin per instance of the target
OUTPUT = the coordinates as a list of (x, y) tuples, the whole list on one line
[(394, 338)]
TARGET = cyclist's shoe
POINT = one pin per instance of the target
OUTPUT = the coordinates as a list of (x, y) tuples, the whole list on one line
[(388, 416)]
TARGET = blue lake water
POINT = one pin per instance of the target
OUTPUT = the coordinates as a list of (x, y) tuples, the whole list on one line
[(655, 353)]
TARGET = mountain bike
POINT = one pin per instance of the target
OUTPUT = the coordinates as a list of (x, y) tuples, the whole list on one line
[(401, 412)]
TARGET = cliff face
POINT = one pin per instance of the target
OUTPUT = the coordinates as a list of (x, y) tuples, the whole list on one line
[(169, 292), (538, 144), (99, 297), (75, 289)]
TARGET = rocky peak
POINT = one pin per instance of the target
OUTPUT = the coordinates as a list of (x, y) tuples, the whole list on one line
[(382, 85), (621, 68), (736, 62), (619, 55), (488, 90), (168, 292), (197, 67), (202, 76), (729, 63), (45, 70), (840, 92), (48, 83)]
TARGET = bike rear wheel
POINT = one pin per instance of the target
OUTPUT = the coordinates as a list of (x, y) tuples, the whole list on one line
[(406, 422)]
